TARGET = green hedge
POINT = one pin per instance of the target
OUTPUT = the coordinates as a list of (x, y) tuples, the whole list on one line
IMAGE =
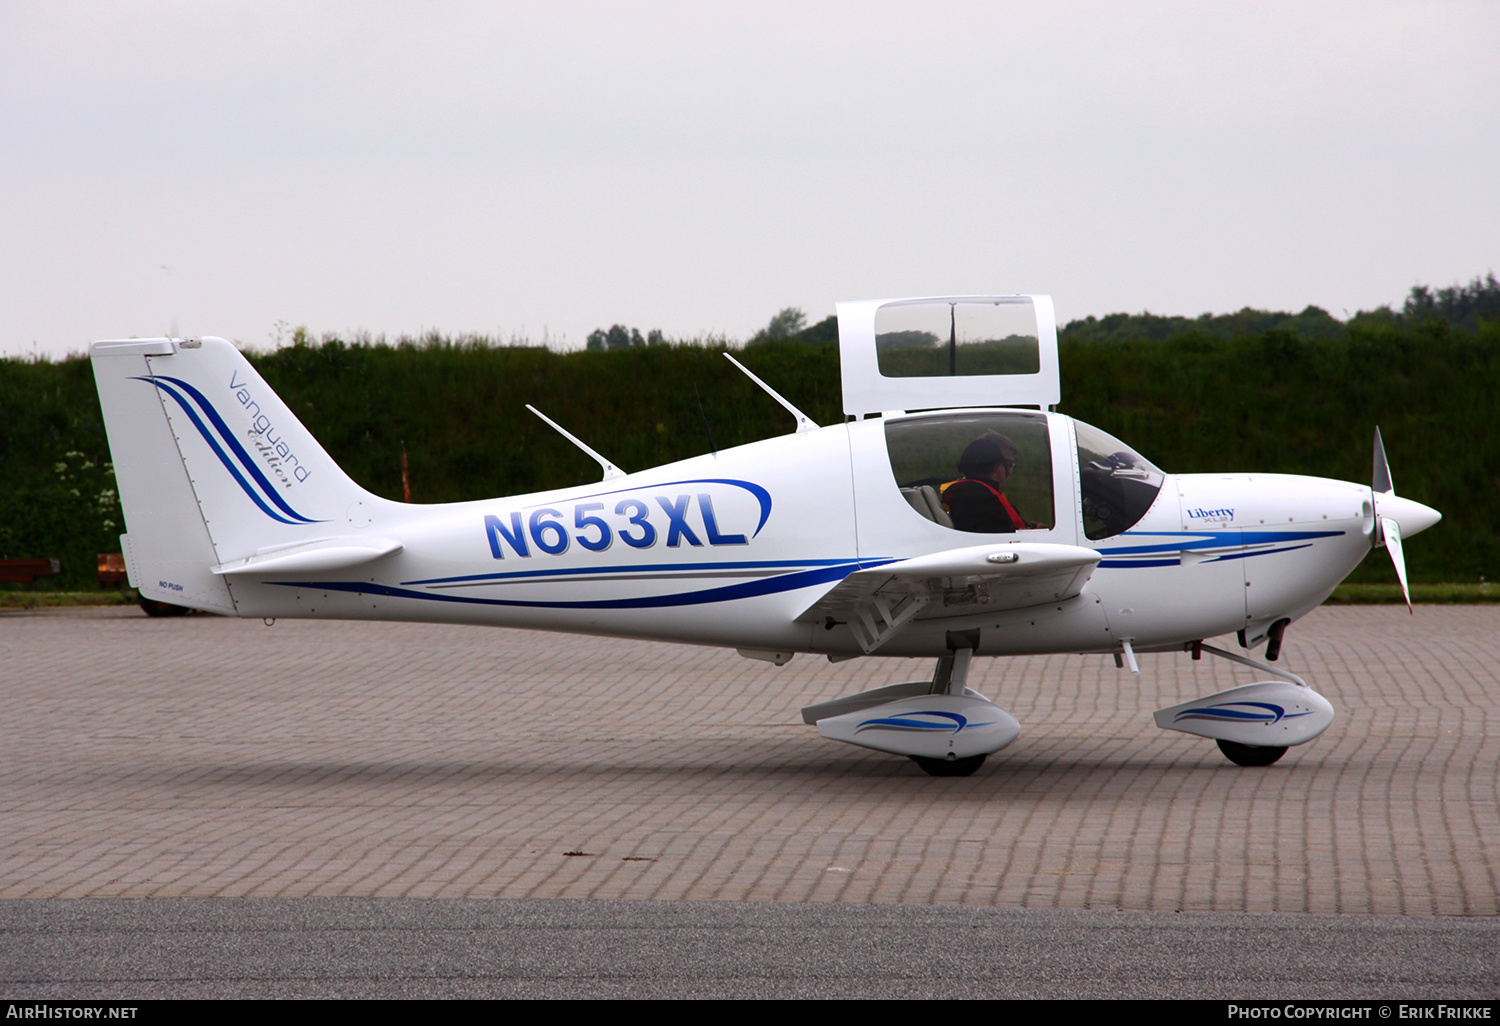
[(1276, 401)]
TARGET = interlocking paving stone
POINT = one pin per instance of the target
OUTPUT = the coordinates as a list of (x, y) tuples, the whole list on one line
[(202, 756)]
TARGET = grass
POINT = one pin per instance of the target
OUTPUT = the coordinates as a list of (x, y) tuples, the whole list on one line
[(1421, 594), (56, 599)]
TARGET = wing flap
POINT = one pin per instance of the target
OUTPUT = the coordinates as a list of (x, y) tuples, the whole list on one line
[(878, 602)]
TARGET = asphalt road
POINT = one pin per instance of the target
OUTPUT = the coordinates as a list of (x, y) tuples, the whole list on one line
[(476, 948)]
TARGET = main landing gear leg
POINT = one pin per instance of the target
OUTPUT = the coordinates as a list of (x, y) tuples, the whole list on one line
[(951, 677), (946, 728)]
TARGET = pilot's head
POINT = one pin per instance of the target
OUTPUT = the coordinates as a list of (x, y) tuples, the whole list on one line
[(990, 457)]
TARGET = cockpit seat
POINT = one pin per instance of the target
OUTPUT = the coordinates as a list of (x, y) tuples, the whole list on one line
[(924, 500)]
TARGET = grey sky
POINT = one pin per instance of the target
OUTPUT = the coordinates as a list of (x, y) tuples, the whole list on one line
[(510, 168)]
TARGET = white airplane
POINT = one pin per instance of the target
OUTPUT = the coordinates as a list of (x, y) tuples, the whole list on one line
[(951, 515)]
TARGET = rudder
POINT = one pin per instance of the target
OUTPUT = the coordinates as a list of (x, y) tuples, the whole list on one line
[(212, 466)]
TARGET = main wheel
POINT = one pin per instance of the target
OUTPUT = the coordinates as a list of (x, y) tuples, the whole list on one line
[(155, 608), (949, 767), (1250, 755)]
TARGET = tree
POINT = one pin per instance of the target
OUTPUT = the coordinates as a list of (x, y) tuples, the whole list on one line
[(785, 324), (1462, 306), (620, 337)]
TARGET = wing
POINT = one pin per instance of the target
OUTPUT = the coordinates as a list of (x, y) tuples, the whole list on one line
[(878, 602)]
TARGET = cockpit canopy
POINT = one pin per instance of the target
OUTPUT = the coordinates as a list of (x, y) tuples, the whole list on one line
[(948, 352), (961, 352), (992, 472)]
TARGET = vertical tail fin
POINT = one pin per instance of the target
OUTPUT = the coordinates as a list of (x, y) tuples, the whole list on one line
[(212, 467)]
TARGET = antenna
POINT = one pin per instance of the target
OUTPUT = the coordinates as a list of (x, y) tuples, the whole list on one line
[(804, 422), (610, 470), (405, 477), (706, 429), (952, 338)]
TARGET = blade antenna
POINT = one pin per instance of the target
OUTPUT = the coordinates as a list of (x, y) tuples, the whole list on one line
[(610, 470), (804, 422), (706, 429), (952, 338)]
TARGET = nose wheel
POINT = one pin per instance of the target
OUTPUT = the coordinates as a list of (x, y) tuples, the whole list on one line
[(1250, 755), (1244, 718)]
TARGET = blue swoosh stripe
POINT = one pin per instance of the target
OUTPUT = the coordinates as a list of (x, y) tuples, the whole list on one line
[(227, 437), (1273, 713), (1260, 552), (916, 726), (1190, 540), (1105, 564), (770, 564), (244, 457), (219, 452), (1226, 714), (726, 593), (903, 722), (1132, 563)]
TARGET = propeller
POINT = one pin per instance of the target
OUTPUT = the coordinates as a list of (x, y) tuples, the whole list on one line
[(1395, 517)]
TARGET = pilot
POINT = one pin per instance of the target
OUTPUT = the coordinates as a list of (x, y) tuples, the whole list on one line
[(976, 501)]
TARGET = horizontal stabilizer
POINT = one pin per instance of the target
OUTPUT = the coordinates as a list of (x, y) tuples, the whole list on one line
[(878, 602), (311, 557)]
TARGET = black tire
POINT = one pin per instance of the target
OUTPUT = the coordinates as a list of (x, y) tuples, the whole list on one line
[(949, 767), (155, 608), (1250, 755)]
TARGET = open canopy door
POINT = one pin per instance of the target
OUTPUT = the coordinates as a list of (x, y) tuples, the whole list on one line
[(947, 352)]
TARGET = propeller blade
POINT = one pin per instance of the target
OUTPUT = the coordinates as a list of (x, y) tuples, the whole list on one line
[(1382, 478), (1395, 516), (1392, 532)]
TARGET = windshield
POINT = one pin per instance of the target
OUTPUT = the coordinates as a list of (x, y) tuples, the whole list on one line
[(1118, 485)]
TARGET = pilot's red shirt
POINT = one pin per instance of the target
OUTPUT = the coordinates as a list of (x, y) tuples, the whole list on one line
[(978, 506)]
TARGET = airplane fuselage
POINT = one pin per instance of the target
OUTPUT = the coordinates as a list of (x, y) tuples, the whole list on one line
[(727, 549)]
